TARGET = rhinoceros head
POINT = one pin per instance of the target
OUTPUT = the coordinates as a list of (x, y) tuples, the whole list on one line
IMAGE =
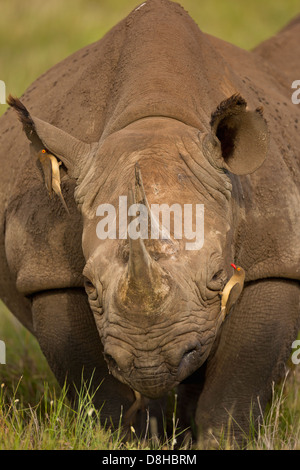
[(156, 299)]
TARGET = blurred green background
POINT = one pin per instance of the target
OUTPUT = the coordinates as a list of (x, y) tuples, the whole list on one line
[(36, 34)]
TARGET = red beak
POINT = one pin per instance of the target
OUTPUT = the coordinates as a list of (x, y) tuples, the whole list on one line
[(233, 265)]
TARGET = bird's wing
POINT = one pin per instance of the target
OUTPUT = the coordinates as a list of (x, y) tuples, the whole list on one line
[(234, 294), (56, 180), (47, 170)]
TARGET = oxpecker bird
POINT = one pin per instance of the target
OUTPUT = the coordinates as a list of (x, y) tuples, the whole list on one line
[(232, 290), (50, 166)]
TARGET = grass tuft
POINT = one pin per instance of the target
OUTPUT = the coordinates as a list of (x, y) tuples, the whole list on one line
[(35, 413)]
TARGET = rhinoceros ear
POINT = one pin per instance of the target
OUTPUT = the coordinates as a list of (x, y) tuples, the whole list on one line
[(243, 135), (71, 151)]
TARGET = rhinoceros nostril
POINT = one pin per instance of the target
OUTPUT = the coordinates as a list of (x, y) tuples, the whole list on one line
[(189, 360), (118, 359), (111, 362), (189, 353)]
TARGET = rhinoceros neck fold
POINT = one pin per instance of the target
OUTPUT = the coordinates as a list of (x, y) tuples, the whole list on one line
[(163, 69)]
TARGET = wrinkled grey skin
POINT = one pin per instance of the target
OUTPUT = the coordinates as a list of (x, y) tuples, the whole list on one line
[(145, 317)]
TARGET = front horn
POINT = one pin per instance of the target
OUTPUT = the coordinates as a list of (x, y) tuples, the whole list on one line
[(145, 284)]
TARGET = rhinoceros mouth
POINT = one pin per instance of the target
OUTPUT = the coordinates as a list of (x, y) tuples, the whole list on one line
[(154, 386), (155, 381)]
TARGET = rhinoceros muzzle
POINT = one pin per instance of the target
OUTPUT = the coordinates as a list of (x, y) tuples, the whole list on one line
[(152, 374)]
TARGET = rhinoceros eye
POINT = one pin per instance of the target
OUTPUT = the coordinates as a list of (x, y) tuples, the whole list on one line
[(90, 289), (94, 295), (216, 276), (88, 284), (217, 281)]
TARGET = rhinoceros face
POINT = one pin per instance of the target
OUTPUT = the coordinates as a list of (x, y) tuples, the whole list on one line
[(157, 310), (156, 299), (156, 302)]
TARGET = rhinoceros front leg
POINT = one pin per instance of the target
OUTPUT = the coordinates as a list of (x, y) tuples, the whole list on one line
[(65, 329), (251, 353)]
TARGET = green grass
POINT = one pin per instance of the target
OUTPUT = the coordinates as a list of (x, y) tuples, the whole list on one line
[(35, 413), (279, 429), (51, 423), (34, 410), (34, 35)]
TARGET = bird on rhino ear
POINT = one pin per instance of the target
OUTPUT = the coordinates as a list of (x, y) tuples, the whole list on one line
[(242, 136), (74, 153)]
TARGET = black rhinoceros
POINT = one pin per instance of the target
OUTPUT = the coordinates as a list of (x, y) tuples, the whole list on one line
[(158, 112)]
